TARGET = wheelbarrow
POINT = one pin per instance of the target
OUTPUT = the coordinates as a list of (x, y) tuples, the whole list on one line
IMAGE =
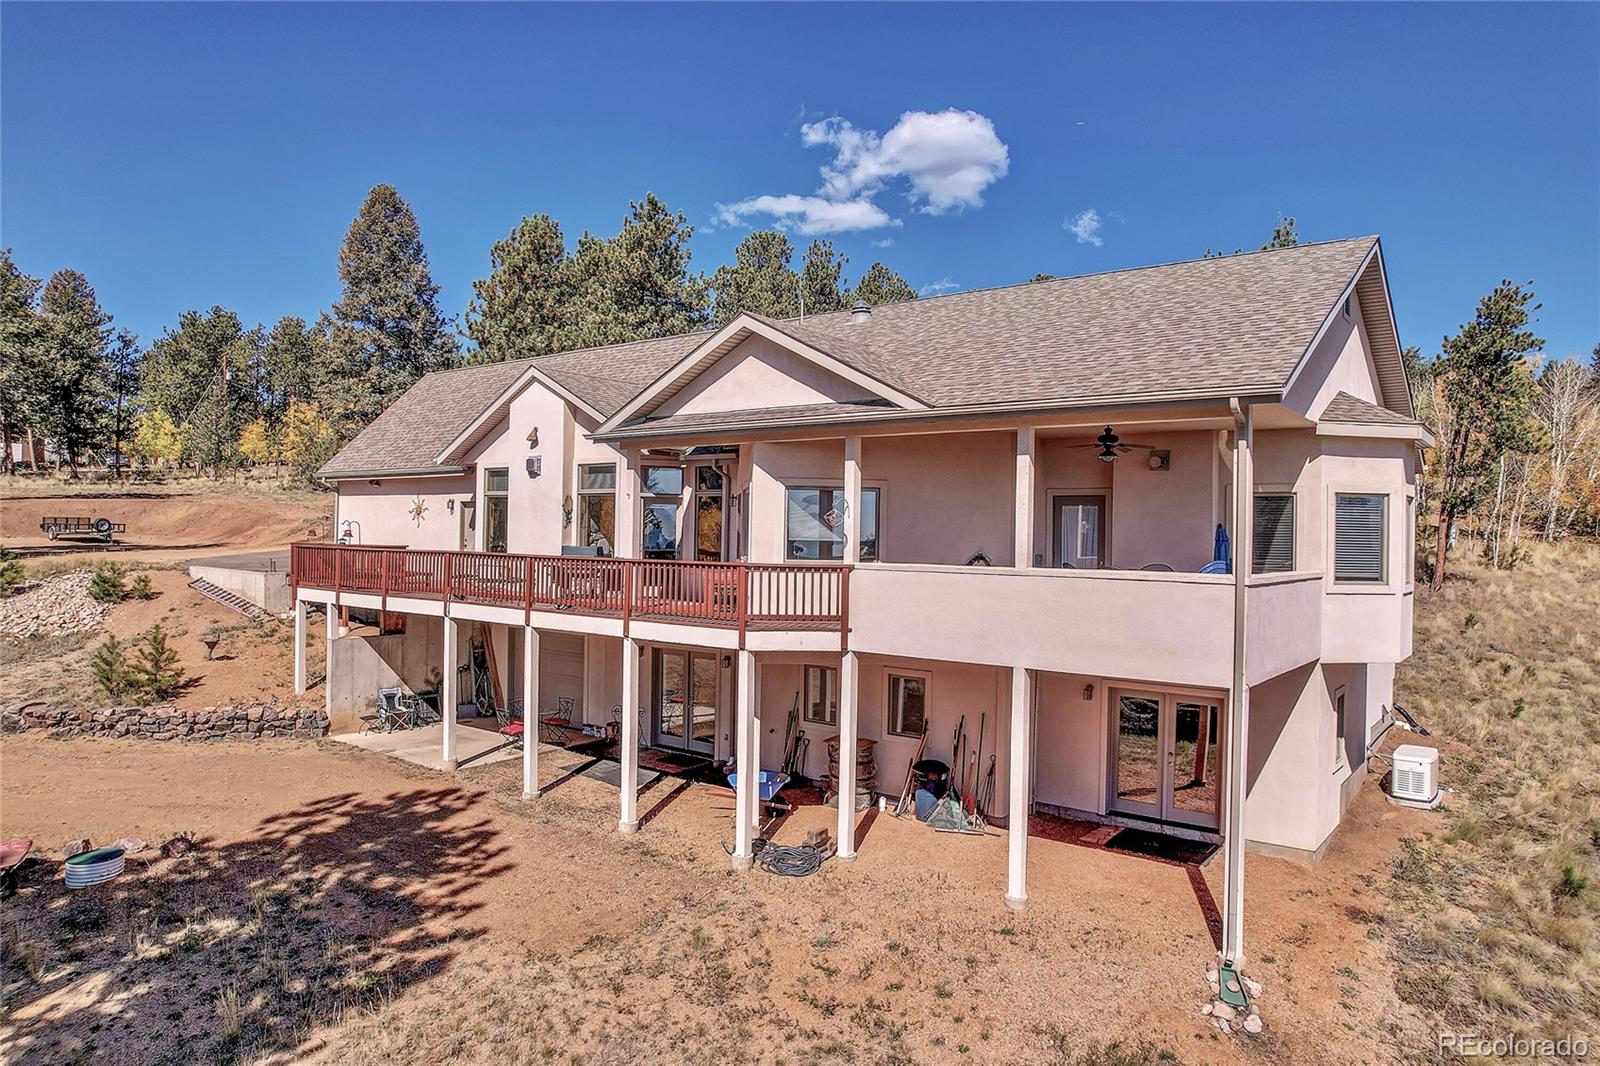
[(768, 784)]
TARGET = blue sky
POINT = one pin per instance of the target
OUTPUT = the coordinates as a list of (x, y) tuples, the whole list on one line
[(184, 156)]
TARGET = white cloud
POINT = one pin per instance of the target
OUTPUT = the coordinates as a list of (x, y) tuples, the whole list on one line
[(1085, 226), (808, 215), (946, 160), (885, 243), (935, 288)]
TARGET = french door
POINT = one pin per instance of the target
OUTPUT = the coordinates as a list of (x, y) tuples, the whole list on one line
[(686, 700), (1080, 532), (1166, 757)]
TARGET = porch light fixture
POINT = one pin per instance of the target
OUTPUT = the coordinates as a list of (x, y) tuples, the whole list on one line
[(1088, 692)]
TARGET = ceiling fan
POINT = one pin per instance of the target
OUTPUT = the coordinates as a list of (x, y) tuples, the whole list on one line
[(1111, 446)]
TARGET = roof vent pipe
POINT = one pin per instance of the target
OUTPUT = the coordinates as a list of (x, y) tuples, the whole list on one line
[(861, 312)]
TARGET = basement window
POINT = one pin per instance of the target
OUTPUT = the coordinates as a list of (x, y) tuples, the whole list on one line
[(908, 704), (822, 695), (1339, 728)]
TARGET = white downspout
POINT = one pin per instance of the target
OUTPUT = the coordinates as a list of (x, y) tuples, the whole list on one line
[(1239, 694)]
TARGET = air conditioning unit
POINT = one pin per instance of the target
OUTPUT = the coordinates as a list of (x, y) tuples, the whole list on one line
[(1415, 779)]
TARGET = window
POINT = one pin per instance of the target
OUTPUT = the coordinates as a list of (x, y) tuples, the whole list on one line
[(497, 508), (1338, 728), (822, 695), (908, 705), (1359, 523), (597, 507), (815, 524), (663, 491), (1411, 537), (708, 508), (1272, 543)]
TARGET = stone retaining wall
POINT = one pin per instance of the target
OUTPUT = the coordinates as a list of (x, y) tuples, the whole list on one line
[(165, 722)]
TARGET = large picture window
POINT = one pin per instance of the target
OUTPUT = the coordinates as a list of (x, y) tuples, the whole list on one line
[(815, 524), (908, 704), (1273, 539), (1360, 522), (497, 508), (663, 492), (597, 507)]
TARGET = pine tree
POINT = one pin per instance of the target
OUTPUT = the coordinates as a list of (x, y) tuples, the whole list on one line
[(73, 402), (291, 361), (21, 354), (123, 366), (109, 583), (204, 376), (880, 285), (819, 280), (156, 674), (110, 668), (523, 307), (759, 280), (637, 285), (1483, 388), (388, 329), (12, 575)]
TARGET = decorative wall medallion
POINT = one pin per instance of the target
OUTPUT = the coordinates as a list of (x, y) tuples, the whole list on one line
[(419, 507)]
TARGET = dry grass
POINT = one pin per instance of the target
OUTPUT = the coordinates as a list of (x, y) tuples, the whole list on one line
[(1500, 914)]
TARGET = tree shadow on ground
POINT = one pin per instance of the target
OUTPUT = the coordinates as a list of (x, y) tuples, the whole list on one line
[(245, 950)]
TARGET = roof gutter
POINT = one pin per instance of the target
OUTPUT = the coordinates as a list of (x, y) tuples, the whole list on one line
[(368, 475), (965, 412)]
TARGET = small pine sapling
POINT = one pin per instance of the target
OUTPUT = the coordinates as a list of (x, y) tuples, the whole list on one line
[(156, 672), (111, 670), (109, 584), (141, 589), (11, 573)]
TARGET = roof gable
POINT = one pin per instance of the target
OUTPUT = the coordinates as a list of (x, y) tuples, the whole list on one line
[(839, 360)]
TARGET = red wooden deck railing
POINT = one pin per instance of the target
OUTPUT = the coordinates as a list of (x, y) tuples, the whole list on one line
[(741, 595)]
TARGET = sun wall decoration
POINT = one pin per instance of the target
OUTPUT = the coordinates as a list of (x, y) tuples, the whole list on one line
[(419, 507)]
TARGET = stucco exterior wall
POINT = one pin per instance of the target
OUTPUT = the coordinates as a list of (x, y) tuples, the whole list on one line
[(757, 374), (382, 513)]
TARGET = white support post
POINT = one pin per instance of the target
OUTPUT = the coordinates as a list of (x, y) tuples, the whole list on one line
[(1027, 448), (747, 761), (1017, 789), (628, 821), (630, 519), (331, 617), (530, 712), (1237, 733), (299, 646), (849, 731), (448, 696), (852, 500)]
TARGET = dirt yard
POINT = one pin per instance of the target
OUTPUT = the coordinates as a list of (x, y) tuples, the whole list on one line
[(345, 907), (166, 523), (253, 663)]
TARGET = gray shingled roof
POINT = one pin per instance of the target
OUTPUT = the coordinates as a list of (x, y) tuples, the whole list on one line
[(1233, 324), (1226, 326), (1347, 408), (414, 429)]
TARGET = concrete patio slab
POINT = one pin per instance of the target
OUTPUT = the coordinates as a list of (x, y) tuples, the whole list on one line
[(421, 746)]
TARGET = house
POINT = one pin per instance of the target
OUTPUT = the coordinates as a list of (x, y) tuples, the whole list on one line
[(1011, 506)]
